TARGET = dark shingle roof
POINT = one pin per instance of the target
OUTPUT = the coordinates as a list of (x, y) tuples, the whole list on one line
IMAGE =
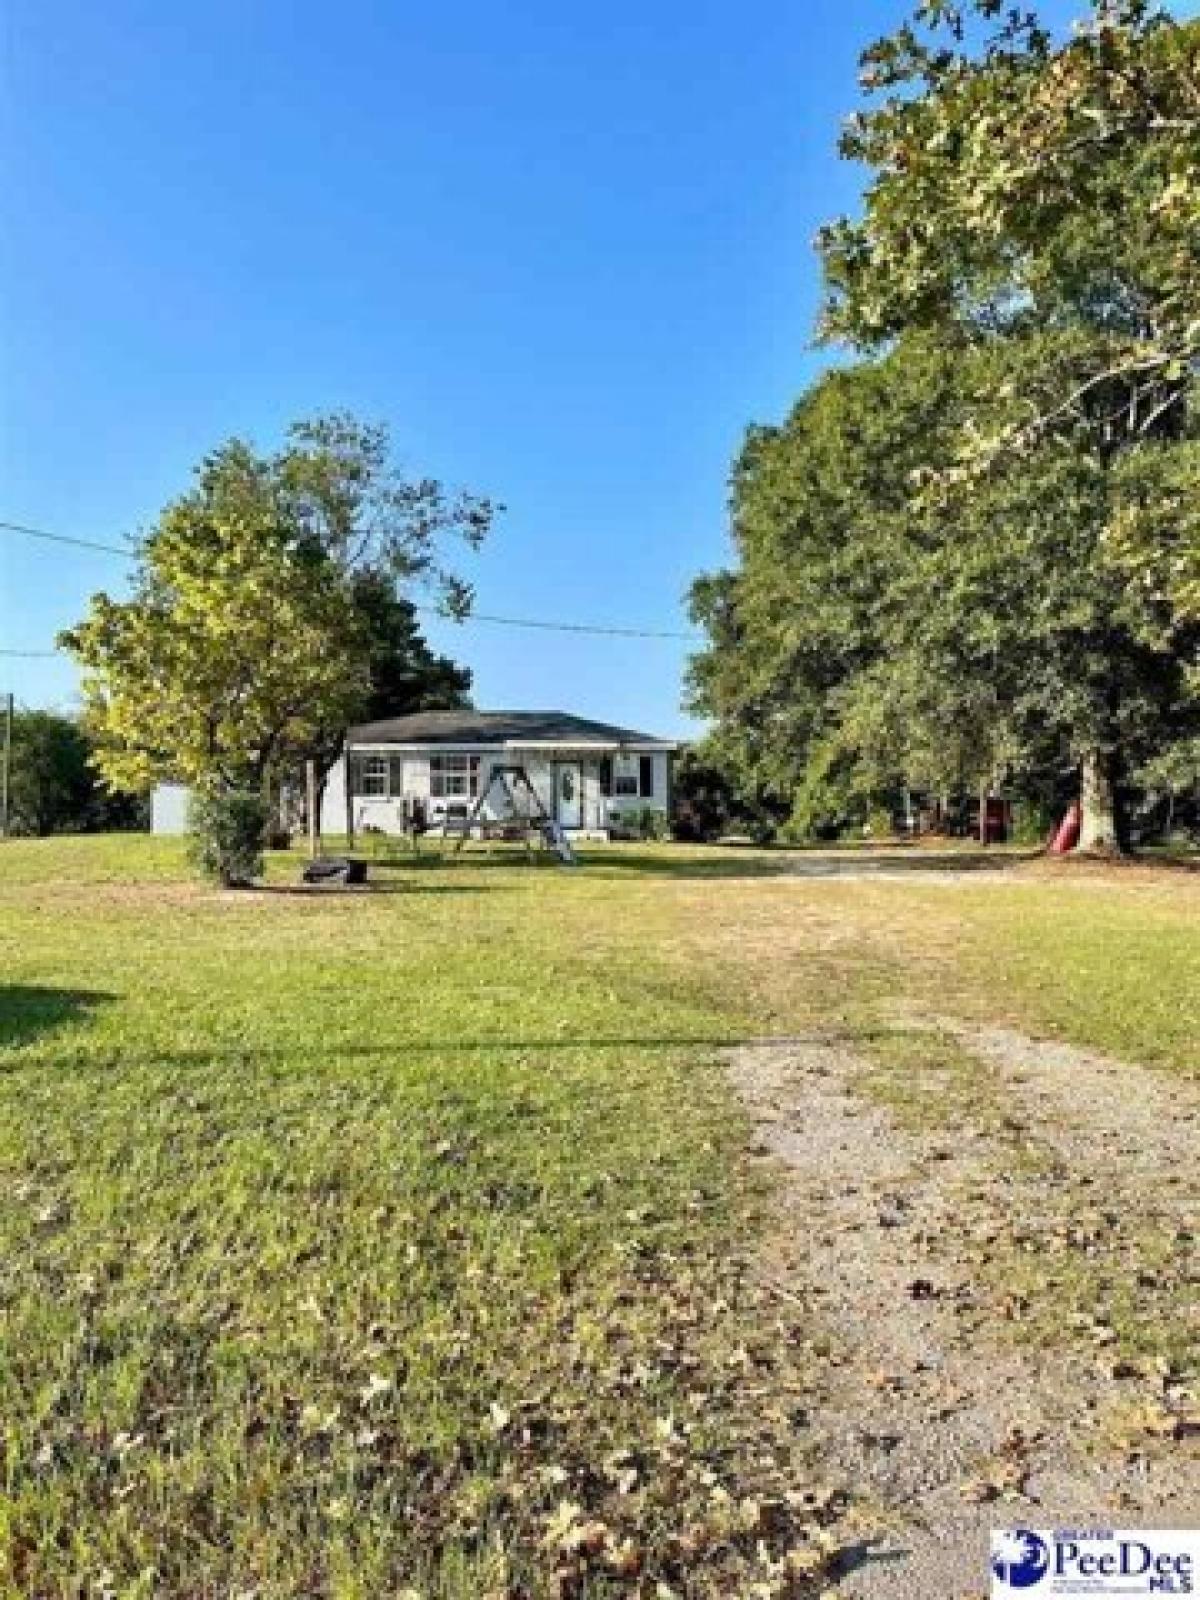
[(496, 727)]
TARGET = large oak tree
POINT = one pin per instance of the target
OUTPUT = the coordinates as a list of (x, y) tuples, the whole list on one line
[(978, 553), (874, 637), (1020, 184)]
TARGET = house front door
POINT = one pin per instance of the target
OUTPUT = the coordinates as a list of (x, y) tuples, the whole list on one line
[(568, 794)]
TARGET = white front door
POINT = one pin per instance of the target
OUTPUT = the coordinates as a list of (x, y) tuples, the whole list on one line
[(568, 794)]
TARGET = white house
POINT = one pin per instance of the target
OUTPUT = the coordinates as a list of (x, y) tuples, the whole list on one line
[(590, 777)]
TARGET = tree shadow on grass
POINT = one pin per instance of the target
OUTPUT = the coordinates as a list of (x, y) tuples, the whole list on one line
[(27, 1010), (362, 891), (607, 861), (333, 1048), (596, 863)]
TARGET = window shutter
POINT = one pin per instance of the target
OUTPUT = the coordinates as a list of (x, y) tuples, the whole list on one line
[(606, 776), (646, 777), (354, 775), (395, 777)]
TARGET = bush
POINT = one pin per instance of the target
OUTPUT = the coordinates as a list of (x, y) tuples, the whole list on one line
[(810, 826), (703, 798), (227, 827), (1032, 822), (878, 824), (652, 824), (53, 784)]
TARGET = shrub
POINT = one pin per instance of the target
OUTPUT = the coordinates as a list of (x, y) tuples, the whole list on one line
[(811, 826), (1032, 822), (652, 824), (227, 827), (879, 823), (53, 785), (702, 796)]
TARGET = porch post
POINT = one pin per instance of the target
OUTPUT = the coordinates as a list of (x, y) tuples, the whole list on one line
[(349, 798)]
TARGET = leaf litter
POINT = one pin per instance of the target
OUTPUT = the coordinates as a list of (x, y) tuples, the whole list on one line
[(993, 1310)]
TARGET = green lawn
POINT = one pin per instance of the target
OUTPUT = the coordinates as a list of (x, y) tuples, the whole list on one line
[(1103, 956), (362, 1243), (1113, 963), (359, 1241)]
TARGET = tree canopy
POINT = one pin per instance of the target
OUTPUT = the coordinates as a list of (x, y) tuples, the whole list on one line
[(53, 786), (1010, 169), (1021, 180), (268, 608), (404, 674), (975, 553), (870, 639)]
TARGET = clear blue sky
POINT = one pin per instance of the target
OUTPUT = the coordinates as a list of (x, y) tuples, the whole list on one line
[(565, 251)]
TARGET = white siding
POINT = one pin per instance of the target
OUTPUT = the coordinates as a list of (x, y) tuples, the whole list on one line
[(369, 811), (627, 807), (416, 777), (333, 801), (600, 811)]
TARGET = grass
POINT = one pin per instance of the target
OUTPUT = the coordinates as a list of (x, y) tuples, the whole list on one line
[(1106, 957), (356, 1244), (1108, 962)]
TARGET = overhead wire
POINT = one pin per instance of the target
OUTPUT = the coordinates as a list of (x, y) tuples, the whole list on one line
[(604, 630)]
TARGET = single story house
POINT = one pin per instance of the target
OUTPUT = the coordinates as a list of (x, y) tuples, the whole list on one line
[(590, 777)]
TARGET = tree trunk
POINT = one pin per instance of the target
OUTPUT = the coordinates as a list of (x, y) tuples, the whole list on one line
[(1101, 826), (310, 806)]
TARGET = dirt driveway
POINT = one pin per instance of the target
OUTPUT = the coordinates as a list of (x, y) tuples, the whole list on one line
[(1001, 1297)]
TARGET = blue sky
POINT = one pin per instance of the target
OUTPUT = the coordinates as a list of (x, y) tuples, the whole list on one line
[(565, 252)]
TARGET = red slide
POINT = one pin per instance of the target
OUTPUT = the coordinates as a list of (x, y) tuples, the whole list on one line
[(1067, 836)]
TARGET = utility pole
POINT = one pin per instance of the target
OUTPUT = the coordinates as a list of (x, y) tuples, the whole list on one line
[(6, 765)]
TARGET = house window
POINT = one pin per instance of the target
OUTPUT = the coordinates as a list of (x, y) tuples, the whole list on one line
[(625, 778), (646, 777), (454, 777), (375, 778)]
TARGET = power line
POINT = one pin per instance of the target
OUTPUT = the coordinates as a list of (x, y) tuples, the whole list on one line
[(564, 627), (67, 538), (595, 628)]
